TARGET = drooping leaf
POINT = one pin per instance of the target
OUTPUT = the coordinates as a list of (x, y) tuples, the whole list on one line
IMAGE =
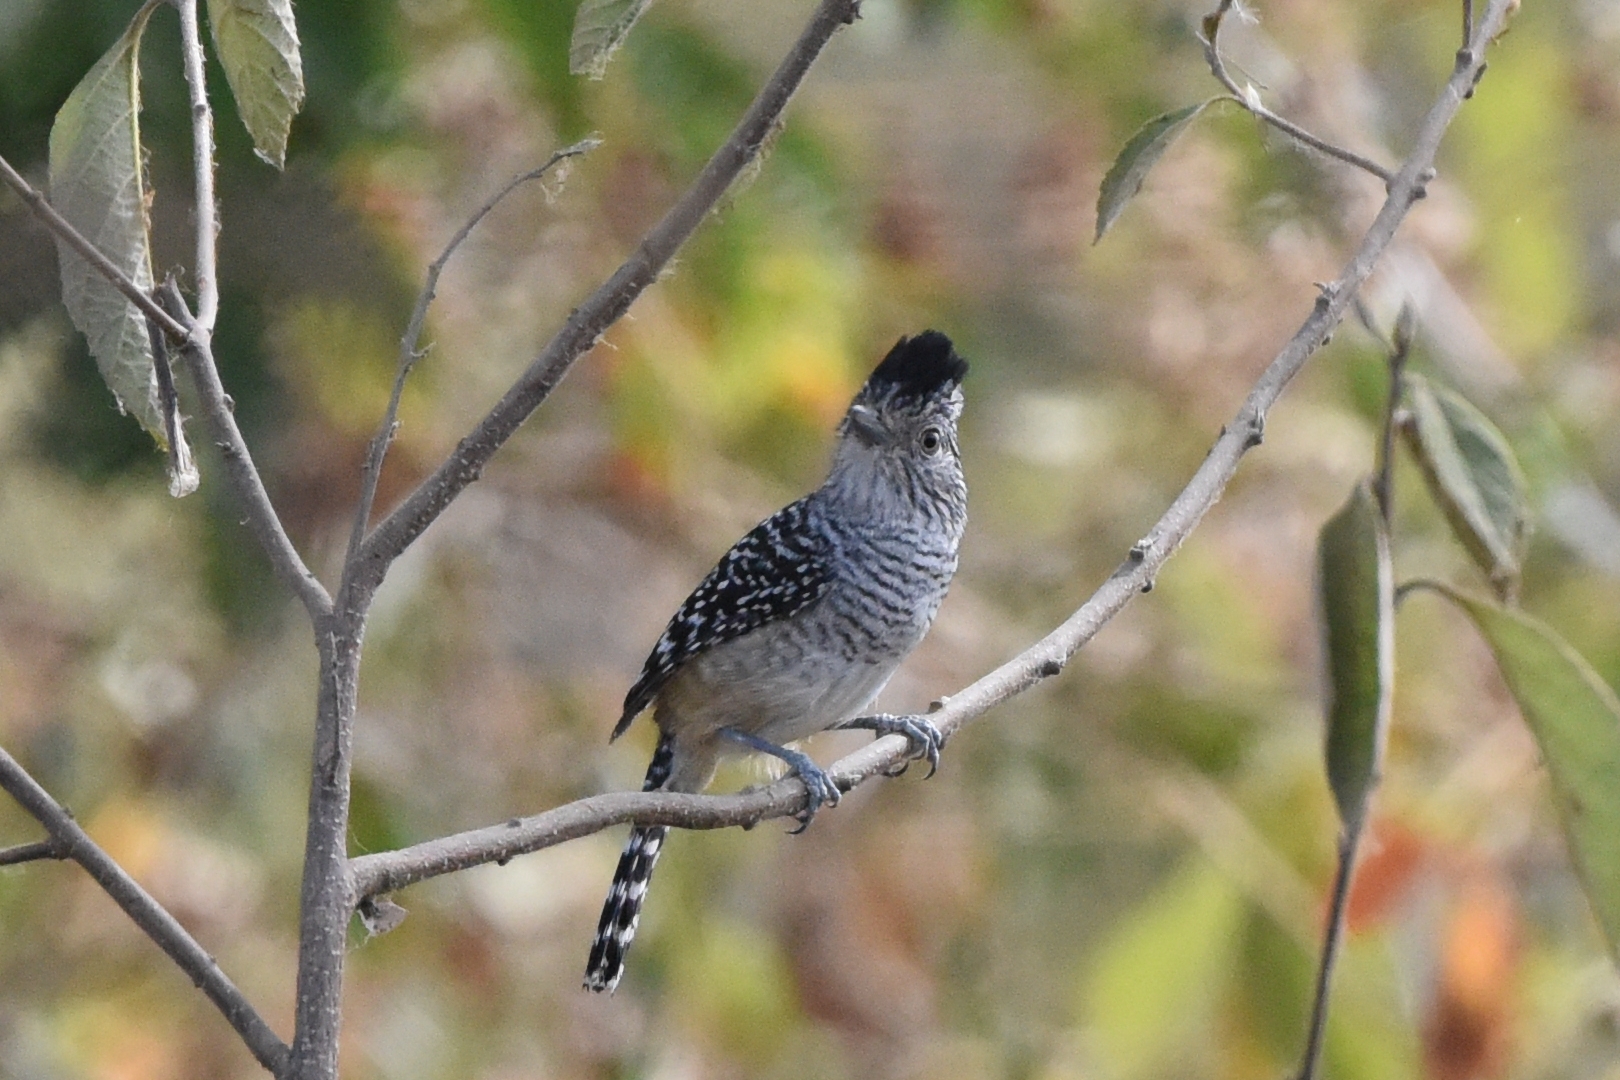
[(1575, 717), (1356, 586), (1474, 476), (1144, 149), (97, 185), (257, 42), (600, 27)]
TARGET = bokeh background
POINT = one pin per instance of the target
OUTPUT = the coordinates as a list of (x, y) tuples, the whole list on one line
[(1118, 875)]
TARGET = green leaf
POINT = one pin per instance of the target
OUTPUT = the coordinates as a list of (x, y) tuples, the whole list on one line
[(96, 184), (1355, 582), (1125, 176), (1575, 718), (257, 42), (1474, 476), (600, 27)]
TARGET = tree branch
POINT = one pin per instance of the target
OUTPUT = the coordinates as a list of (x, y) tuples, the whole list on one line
[(39, 849), (202, 158), (1249, 98), (591, 319), (70, 841), (410, 353), (60, 225), (385, 871), (240, 471)]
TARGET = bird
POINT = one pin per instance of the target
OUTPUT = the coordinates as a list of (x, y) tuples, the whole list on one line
[(801, 624)]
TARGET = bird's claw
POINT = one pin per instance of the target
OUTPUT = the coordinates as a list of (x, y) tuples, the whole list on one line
[(821, 791), (925, 741)]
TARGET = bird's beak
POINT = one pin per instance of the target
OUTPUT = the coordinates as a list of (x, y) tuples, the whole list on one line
[(863, 423)]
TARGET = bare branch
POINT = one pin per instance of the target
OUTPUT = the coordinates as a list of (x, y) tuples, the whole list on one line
[(202, 157), (240, 471), (373, 874), (71, 841), (592, 318), (1249, 98), (61, 227), (39, 849), (410, 353)]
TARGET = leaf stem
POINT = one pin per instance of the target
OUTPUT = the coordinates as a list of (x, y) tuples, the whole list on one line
[(1400, 349), (1332, 938)]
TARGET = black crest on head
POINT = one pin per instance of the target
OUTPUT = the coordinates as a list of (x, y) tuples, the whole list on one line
[(917, 368)]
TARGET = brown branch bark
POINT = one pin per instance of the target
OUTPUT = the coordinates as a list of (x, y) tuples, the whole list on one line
[(384, 871)]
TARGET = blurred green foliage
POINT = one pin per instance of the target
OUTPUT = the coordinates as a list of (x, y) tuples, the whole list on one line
[(1117, 875)]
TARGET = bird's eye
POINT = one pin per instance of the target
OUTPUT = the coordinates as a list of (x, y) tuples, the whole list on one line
[(932, 439)]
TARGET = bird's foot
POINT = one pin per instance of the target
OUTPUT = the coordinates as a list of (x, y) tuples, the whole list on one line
[(926, 740), (821, 789)]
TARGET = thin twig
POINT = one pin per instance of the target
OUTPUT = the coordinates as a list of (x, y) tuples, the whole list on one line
[(202, 158), (384, 871), (39, 849), (588, 322), (1249, 98), (153, 919), (409, 350), (1400, 348), (240, 471), (1333, 937), (60, 225)]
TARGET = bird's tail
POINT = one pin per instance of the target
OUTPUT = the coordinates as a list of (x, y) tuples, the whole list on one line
[(622, 911)]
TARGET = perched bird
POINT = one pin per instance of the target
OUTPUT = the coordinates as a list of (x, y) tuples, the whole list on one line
[(804, 620)]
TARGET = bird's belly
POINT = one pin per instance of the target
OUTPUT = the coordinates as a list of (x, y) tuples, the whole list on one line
[(784, 683)]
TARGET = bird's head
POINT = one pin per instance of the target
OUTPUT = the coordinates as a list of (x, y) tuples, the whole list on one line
[(911, 401), (902, 424)]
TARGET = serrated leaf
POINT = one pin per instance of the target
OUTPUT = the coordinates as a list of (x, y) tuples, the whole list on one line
[(1144, 149), (96, 184), (600, 27), (257, 42), (1356, 586), (1474, 476), (1575, 718)]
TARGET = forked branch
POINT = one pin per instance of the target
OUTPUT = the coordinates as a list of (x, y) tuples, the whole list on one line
[(410, 348), (588, 322), (385, 871), (1249, 98)]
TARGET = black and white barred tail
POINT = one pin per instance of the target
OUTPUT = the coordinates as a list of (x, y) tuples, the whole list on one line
[(622, 910)]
